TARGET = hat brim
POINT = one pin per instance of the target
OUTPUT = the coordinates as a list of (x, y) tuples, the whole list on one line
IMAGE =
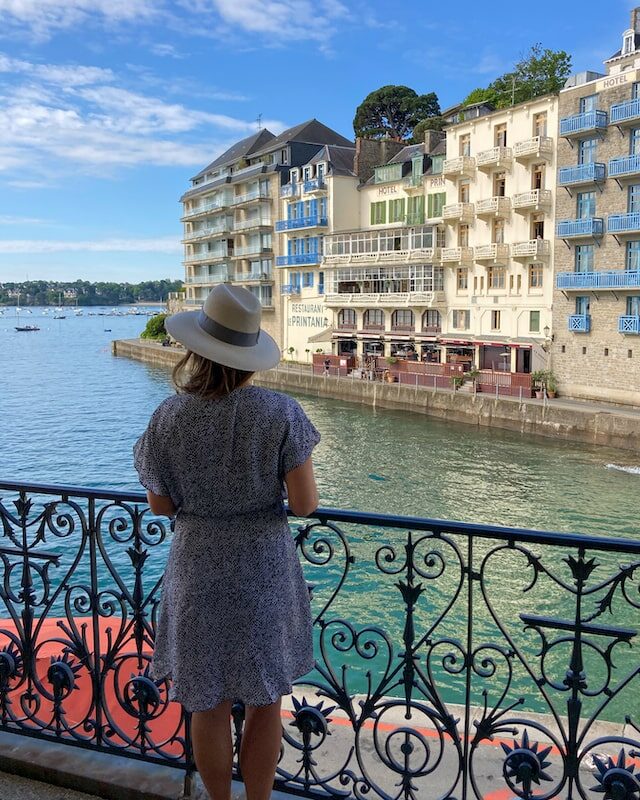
[(185, 329)]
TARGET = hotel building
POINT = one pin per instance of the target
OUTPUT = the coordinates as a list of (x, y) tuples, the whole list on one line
[(229, 214), (500, 176), (384, 283), (596, 349)]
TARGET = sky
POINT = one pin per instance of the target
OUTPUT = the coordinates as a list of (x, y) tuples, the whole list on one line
[(108, 107)]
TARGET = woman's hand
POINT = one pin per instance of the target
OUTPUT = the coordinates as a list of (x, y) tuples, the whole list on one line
[(302, 491), (160, 504)]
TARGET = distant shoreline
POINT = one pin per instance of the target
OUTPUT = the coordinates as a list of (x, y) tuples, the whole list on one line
[(83, 305)]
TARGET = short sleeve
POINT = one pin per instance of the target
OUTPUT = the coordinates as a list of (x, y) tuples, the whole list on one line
[(150, 461), (300, 437)]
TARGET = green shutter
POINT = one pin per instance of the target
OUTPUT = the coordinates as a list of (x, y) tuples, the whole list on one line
[(372, 220)]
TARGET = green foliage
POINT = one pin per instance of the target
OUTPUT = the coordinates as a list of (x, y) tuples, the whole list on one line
[(429, 124), (155, 328), (393, 112), (102, 293), (541, 71)]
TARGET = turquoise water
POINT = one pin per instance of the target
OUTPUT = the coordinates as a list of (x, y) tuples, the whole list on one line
[(70, 413)]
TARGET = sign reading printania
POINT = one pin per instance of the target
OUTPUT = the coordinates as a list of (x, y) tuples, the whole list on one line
[(307, 315)]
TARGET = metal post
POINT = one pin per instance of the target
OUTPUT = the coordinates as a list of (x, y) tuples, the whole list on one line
[(497, 390), (521, 394)]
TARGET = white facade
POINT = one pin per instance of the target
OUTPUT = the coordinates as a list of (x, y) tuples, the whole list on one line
[(500, 197)]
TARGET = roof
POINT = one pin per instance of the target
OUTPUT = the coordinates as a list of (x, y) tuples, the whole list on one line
[(242, 148), (407, 153), (340, 159), (309, 132), (636, 44)]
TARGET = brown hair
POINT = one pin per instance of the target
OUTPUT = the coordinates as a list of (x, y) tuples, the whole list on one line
[(195, 374)]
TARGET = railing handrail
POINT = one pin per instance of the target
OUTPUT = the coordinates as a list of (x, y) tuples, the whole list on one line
[(507, 533)]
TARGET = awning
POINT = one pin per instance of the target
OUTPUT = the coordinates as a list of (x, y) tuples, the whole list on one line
[(323, 336)]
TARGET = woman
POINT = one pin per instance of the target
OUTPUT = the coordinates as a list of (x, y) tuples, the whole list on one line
[(234, 621)]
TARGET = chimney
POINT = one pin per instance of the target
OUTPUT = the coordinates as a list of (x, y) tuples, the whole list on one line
[(432, 139), (635, 19), (372, 153)]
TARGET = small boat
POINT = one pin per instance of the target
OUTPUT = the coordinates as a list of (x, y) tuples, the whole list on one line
[(107, 330), (27, 328), (59, 316)]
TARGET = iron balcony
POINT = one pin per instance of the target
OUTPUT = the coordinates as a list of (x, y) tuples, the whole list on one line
[(613, 279), (315, 221), (297, 259), (582, 173), (624, 166), (626, 112), (582, 123), (575, 228), (580, 323), (624, 223), (629, 324)]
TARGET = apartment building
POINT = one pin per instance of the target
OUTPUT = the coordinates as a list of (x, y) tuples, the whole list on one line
[(320, 197), (500, 173), (596, 349), (229, 214), (384, 283)]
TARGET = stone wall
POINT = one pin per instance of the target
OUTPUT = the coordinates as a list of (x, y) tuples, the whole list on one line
[(372, 153), (571, 423), (603, 364)]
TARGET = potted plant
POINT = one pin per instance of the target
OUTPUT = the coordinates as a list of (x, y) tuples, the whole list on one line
[(391, 360), (552, 385), (291, 350), (473, 374), (539, 379), (457, 381), (307, 351)]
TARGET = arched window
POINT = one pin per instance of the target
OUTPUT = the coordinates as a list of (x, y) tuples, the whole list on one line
[(431, 321), (402, 319), (346, 318), (373, 319)]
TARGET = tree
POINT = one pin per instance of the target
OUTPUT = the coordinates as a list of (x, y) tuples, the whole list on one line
[(429, 124), (155, 328), (393, 112), (539, 72)]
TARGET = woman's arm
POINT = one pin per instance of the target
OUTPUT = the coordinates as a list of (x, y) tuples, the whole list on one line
[(302, 490), (162, 505)]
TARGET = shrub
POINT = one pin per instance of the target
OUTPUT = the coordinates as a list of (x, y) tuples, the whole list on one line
[(155, 328)]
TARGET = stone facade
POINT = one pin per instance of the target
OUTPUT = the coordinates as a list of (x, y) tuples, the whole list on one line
[(590, 357)]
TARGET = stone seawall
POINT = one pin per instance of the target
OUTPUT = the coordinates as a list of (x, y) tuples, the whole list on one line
[(558, 419)]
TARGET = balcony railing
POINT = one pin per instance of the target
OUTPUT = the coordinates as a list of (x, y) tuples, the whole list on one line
[(493, 207), (494, 157), (247, 224), (299, 258), (204, 208), (458, 212), (532, 200), (314, 221), (290, 289), (457, 254), (208, 232), (582, 174), (500, 647), (290, 190), (587, 227), (624, 223), (629, 324), (426, 254), (613, 279), (491, 252), (624, 166), (209, 257), (533, 248), (253, 276), (579, 323), (536, 147), (463, 165), (314, 185), (582, 123), (208, 277), (250, 197), (626, 112), (414, 182), (364, 299), (252, 250)]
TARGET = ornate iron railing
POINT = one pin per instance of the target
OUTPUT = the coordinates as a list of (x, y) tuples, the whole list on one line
[(453, 660)]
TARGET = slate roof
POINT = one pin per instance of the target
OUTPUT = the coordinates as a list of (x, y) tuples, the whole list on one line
[(340, 159), (239, 150), (619, 52), (309, 132), (407, 153)]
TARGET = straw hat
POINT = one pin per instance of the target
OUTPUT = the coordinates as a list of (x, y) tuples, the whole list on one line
[(227, 330)]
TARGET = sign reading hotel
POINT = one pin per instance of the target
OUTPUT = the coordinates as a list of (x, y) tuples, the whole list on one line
[(621, 79), (387, 190), (307, 315)]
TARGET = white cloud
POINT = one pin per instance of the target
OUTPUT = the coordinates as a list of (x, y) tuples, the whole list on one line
[(71, 75), (167, 244), (162, 49), (44, 16), (9, 219)]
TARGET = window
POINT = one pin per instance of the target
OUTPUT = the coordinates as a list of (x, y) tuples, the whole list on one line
[(500, 135), (588, 103), (307, 280), (415, 210), (635, 91), (463, 236), (388, 173), (461, 319), (441, 237), (498, 231), (632, 261), (437, 163), (582, 306), (499, 184), (495, 320), (537, 226), (294, 175), (403, 319), (435, 204), (379, 213), (540, 124), (463, 192), (534, 322), (396, 210), (462, 279), (347, 318), (587, 151), (307, 173), (496, 278), (321, 170), (321, 283), (536, 274), (537, 176), (628, 42), (417, 168), (584, 258), (634, 140), (464, 144), (294, 279), (431, 320), (284, 156), (585, 204), (633, 306), (373, 318), (633, 198)]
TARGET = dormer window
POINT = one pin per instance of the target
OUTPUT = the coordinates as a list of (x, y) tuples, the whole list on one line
[(628, 42), (294, 175), (307, 173), (321, 170)]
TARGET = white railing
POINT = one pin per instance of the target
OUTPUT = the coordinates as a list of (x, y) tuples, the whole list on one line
[(491, 252), (459, 165), (250, 223), (253, 276), (249, 196), (532, 198), (456, 254), (385, 299), (251, 250), (210, 256), (536, 146), (495, 155), (493, 205), (458, 211), (208, 231), (534, 248), (428, 254)]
